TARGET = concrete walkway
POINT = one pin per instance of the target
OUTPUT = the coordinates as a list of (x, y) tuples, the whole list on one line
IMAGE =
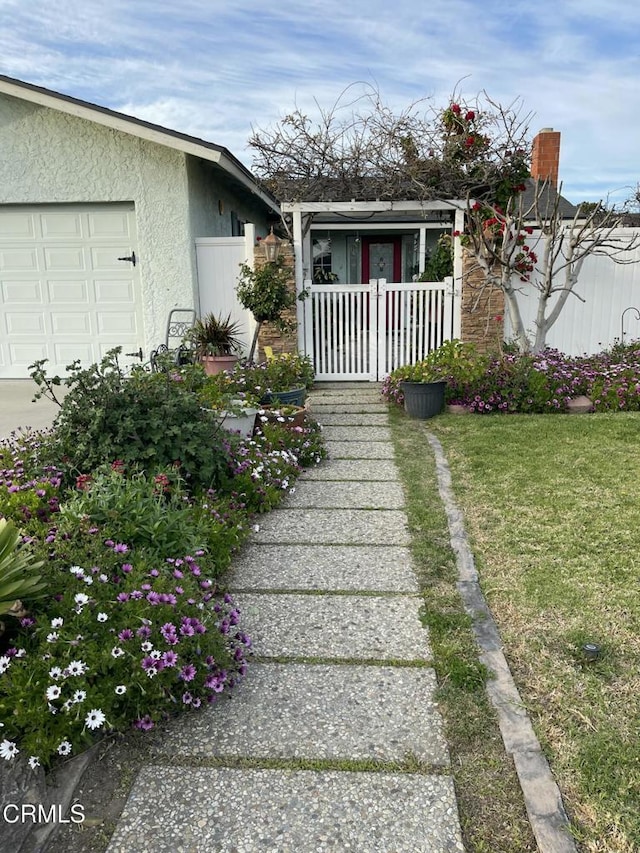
[(333, 741)]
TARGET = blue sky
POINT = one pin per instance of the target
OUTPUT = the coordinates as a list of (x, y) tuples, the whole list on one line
[(214, 68)]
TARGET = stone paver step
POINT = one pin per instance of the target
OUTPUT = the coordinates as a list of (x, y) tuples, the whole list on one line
[(351, 419), (331, 527), (334, 626), (347, 407), (277, 811), (353, 469), (345, 495), (357, 433), (379, 568), (359, 450), (380, 713)]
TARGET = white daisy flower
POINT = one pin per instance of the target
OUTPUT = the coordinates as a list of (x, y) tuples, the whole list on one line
[(117, 652), (121, 690), (102, 617), (88, 580), (76, 570), (103, 578), (34, 762), (53, 692), (5, 663), (64, 748), (58, 622), (8, 750), (146, 646), (94, 719), (81, 599), (52, 637), (156, 654), (79, 696), (76, 667), (55, 672), (20, 653)]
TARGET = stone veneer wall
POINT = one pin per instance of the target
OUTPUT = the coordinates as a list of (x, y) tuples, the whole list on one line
[(269, 334), (482, 310)]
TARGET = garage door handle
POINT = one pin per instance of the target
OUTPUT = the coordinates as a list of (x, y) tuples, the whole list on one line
[(139, 354), (131, 258)]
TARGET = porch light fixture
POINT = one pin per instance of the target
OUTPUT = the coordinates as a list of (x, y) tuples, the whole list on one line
[(271, 247)]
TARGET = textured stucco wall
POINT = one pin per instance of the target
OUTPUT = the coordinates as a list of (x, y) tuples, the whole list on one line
[(50, 157)]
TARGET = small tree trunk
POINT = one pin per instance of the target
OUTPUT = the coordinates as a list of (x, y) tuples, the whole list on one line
[(254, 342)]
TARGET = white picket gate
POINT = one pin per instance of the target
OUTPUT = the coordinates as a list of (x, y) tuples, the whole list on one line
[(364, 331)]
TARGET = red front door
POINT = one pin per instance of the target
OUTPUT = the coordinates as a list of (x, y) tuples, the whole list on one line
[(381, 258)]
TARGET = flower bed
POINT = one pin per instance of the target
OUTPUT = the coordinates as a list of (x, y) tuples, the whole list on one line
[(511, 382), (135, 625)]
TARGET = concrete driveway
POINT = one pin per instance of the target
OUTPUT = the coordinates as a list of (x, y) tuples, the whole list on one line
[(17, 410)]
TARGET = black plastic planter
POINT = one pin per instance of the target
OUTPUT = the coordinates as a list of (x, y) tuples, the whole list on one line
[(423, 399)]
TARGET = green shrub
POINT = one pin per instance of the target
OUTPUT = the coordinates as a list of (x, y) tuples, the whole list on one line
[(148, 420), (150, 512)]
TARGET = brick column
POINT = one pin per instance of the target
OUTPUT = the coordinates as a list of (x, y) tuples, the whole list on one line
[(482, 309)]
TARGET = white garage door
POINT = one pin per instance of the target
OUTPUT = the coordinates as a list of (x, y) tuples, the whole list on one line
[(64, 295)]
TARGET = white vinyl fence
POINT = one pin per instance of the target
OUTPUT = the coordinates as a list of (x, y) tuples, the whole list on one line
[(592, 319)]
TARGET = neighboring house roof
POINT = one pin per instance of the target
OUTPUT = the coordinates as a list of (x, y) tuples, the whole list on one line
[(548, 196), (215, 154)]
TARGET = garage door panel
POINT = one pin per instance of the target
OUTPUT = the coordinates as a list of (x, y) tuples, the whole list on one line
[(67, 353), (17, 226), (70, 323), (105, 259), (22, 355), (116, 323), (19, 292), (61, 226), (115, 291), (64, 295), (113, 226), (68, 291), (23, 323), (19, 260), (64, 259)]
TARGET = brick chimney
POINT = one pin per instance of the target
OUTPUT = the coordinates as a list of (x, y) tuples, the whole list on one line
[(545, 156)]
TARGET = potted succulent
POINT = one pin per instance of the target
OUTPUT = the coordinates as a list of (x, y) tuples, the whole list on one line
[(216, 342)]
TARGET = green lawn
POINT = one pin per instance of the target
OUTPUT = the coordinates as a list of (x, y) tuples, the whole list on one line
[(552, 509)]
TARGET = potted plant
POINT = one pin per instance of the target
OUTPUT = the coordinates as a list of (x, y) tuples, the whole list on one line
[(288, 416), (287, 377), (216, 342), (234, 410), (267, 293), (446, 371)]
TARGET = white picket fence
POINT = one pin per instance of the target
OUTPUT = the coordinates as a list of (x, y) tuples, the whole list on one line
[(364, 331)]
